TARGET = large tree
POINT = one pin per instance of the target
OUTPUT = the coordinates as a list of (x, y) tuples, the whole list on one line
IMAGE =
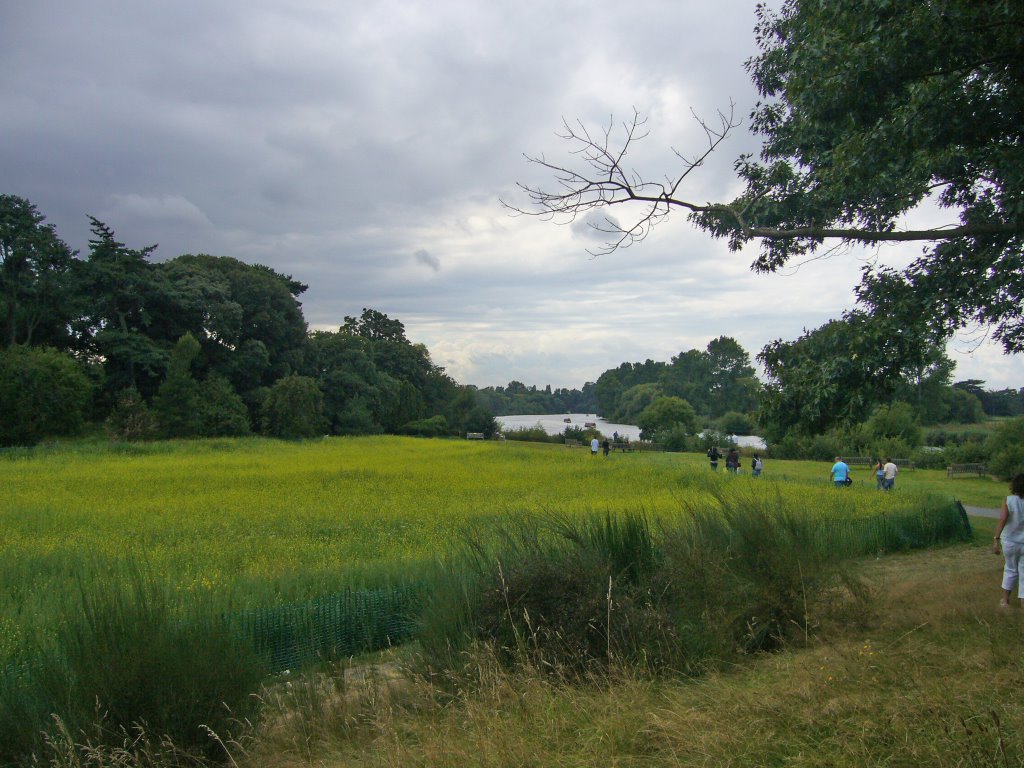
[(869, 109), (37, 292), (836, 375)]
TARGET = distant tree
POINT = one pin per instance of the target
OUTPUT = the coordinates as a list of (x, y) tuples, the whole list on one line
[(43, 393), (664, 414), (37, 278), (735, 423), (688, 376), (633, 401), (837, 374), (962, 407), (246, 316), (122, 286), (895, 421), (222, 412), (375, 326), (1006, 447), (177, 402), (131, 419), (294, 408)]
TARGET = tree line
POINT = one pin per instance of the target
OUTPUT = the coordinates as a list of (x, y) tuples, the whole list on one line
[(197, 345)]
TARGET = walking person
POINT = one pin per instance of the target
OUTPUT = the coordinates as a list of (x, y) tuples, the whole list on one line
[(732, 460), (714, 456), (889, 474), (840, 474), (606, 447), (1010, 537), (756, 465), (880, 475), (594, 445)]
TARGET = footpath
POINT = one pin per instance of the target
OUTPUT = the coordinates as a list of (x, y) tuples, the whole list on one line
[(983, 511)]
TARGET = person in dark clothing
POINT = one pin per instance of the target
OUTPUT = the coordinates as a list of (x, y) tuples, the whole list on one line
[(714, 456)]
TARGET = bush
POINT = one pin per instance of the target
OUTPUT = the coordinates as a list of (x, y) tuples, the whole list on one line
[(435, 426), (1006, 448), (665, 413), (735, 423), (131, 419), (896, 421), (222, 413), (43, 393), (531, 434), (294, 408)]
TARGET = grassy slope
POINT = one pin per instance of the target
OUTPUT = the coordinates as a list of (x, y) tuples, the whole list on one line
[(930, 674)]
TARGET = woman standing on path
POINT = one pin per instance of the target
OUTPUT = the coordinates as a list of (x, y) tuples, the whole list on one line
[(1010, 535)]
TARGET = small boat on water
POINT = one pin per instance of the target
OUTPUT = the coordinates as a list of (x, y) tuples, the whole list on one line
[(567, 420), (590, 424)]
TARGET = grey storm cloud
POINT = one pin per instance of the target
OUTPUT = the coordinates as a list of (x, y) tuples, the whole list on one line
[(330, 140), (425, 258)]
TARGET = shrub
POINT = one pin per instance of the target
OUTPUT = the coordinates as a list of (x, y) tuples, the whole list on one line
[(222, 413), (531, 434), (435, 426), (665, 413), (294, 408), (43, 393), (1006, 448), (735, 423), (131, 419), (896, 421)]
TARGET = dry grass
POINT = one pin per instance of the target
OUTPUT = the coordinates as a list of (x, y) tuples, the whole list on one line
[(931, 675)]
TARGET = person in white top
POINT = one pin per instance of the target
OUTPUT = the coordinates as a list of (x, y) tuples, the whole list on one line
[(1010, 536), (889, 474), (594, 445)]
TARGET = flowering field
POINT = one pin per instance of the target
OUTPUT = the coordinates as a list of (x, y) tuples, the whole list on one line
[(259, 522)]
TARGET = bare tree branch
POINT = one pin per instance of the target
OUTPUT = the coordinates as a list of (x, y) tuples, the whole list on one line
[(603, 180)]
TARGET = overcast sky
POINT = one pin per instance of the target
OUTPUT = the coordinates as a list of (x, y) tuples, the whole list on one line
[(363, 148)]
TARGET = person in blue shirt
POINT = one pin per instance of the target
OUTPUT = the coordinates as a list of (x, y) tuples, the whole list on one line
[(840, 473)]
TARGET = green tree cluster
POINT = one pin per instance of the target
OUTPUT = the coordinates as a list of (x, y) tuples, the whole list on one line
[(195, 346)]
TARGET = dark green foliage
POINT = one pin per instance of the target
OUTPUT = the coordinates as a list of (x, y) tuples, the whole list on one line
[(176, 405), (1006, 448), (294, 408), (835, 375), (38, 297), (222, 413), (665, 414), (733, 423), (868, 109), (894, 421), (131, 419), (43, 393), (435, 426)]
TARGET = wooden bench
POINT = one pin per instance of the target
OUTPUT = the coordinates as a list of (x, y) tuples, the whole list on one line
[(474, 435), (960, 470), (859, 461)]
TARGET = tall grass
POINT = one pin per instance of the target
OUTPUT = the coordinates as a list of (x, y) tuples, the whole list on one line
[(734, 574), (130, 655)]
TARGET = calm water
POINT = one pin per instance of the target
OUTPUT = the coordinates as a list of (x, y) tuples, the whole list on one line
[(555, 424)]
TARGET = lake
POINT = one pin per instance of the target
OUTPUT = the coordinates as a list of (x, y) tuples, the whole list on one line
[(555, 424)]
